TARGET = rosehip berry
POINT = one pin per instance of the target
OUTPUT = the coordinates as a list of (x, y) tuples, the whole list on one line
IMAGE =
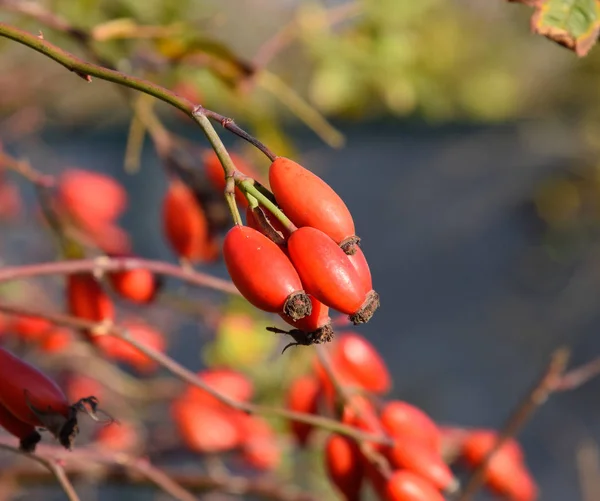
[(137, 285), (263, 273), (303, 396), (185, 224), (25, 432), (405, 485), (422, 460), (402, 420), (227, 382), (328, 274), (344, 466), (309, 201)]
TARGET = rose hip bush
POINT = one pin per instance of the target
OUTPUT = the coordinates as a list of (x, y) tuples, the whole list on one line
[(289, 378)]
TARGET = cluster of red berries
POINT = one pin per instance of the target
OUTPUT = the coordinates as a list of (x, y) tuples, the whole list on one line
[(206, 425), (29, 400), (416, 457), (301, 272)]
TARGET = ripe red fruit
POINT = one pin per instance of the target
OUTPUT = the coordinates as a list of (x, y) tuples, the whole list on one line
[(328, 274), (303, 396), (402, 420), (359, 261), (25, 432), (227, 382), (404, 485), (35, 399), (309, 201), (360, 413), (56, 340), (30, 328), (185, 224), (216, 175), (92, 198), (79, 386), (506, 473), (264, 274), (86, 298), (344, 466), (259, 442), (358, 358), (118, 349), (422, 460), (204, 428), (137, 285)]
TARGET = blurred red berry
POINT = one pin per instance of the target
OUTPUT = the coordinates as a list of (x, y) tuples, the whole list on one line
[(404, 485), (343, 465), (303, 396), (402, 420)]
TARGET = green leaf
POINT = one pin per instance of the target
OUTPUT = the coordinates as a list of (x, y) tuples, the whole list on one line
[(574, 24)]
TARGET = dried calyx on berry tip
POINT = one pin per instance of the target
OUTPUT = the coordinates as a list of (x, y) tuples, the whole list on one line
[(297, 305), (349, 245), (301, 338), (366, 311)]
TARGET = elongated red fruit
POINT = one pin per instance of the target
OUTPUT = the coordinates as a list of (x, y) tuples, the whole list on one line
[(402, 420), (137, 285), (34, 398), (86, 298), (405, 485), (359, 261), (264, 274), (185, 224), (328, 274), (303, 396), (422, 460), (309, 201), (344, 466), (25, 432)]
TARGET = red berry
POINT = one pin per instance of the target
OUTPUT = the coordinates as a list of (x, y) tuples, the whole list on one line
[(185, 224), (328, 274), (422, 460), (402, 420), (79, 386), (227, 382), (359, 261), (259, 442), (404, 485), (309, 201), (303, 396), (358, 358), (118, 437), (204, 428), (137, 285), (56, 340), (263, 273), (30, 328), (360, 413), (92, 198), (116, 348), (344, 466), (34, 398), (86, 298)]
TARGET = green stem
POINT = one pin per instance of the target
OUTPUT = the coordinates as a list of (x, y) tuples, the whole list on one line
[(247, 186), (224, 158)]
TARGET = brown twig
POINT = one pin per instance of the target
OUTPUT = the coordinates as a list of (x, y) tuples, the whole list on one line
[(108, 264), (101, 329), (578, 376), (52, 465), (122, 468), (534, 398)]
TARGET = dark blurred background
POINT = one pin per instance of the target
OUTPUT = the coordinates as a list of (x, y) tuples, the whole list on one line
[(465, 147)]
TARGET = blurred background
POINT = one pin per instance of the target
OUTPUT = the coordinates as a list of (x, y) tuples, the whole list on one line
[(465, 147)]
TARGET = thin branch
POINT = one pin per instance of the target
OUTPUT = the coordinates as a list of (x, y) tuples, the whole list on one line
[(87, 70), (534, 399), (108, 264), (579, 376), (118, 468), (101, 329), (53, 466)]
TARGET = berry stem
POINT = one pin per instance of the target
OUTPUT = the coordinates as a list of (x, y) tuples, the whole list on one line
[(246, 184)]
